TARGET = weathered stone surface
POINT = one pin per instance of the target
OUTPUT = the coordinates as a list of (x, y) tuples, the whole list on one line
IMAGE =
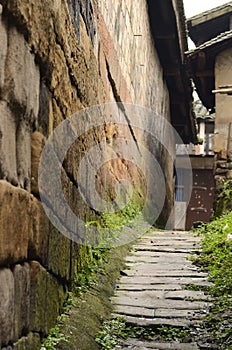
[(14, 229), (162, 280), (59, 253), (46, 299), (135, 311), (55, 297), (39, 234), (152, 272), (154, 322), (7, 296), (21, 92), (165, 248), (3, 49), (38, 296), (8, 170), (229, 174), (153, 344), (144, 287), (161, 303), (21, 77), (22, 299), (31, 342), (155, 265), (24, 234), (37, 144), (165, 294)]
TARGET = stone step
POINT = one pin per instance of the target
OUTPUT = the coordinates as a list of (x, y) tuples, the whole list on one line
[(161, 259), (142, 287), (137, 266), (156, 322), (144, 312), (172, 238), (168, 242), (152, 344), (153, 303), (160, 249), (151, 272), (156, 254), (162, 294), (145, 280)]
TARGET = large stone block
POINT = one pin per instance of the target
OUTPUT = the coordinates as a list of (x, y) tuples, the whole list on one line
[(3, 49), (22, 78), (31, 342), (24, 235), (23, 154), (6, 306), (15, 148), (59, 253), (46, 299), (21, 92), (22, 299), (15, 223), (38, 291), (8, 170), (37, 144), (55, 300), (39, 234)]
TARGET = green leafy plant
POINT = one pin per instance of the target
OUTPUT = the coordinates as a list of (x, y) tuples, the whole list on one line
[(216, 258), (55, 335), (121, 217), (224, 199), (113, 332), (169, 333)]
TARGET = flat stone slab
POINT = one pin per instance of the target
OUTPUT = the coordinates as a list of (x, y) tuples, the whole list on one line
[(155, 254), (168, 242), (170, 249), (148, 259), (143, 345), (163, 280), (144, 312), (164, 294), (154, 303), (153, 272), (142, 287), (155, 322)]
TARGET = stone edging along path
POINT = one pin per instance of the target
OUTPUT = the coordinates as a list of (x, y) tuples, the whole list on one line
[(153, 290)]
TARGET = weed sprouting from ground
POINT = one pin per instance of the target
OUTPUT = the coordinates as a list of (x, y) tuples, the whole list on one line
[(216, 259), (114, 332)]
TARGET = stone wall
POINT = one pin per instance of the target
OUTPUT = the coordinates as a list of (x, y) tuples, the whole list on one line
[(57, 58), (223, 148)]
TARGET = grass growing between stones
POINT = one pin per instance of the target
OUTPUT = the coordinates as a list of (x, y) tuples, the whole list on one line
[(114, 332), (55, 335), (216, 259), (89, 303)]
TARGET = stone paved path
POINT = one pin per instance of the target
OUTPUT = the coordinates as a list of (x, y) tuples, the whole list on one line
[(152, 291)]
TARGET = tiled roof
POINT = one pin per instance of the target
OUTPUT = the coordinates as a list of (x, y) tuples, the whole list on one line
[(218, 39)]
